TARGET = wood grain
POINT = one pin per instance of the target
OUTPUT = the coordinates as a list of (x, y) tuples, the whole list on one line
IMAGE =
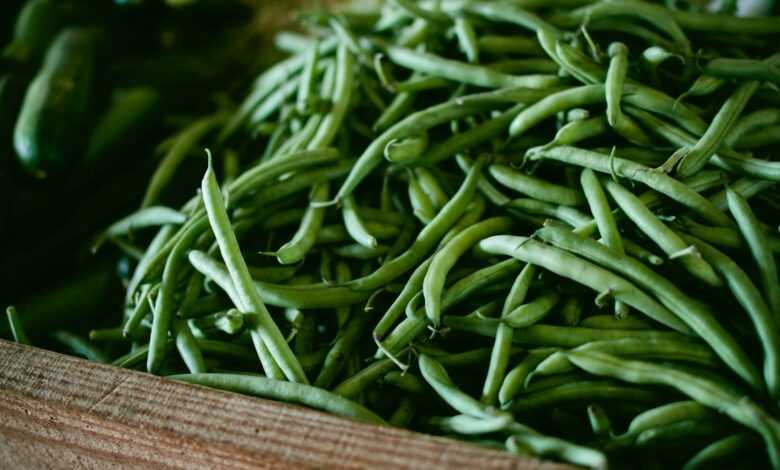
[(61, 412)]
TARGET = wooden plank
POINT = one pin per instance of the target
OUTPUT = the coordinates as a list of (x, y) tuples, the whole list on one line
[(62, 412)]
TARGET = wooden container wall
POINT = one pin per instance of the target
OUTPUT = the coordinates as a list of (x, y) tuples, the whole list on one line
[(61, 412)]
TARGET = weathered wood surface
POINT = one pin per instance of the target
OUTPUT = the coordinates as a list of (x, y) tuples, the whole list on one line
[(61, 412)]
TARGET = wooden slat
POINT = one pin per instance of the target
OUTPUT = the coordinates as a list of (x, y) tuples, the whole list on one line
[(62, 412)]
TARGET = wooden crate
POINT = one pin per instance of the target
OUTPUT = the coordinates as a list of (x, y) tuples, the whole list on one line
[(62, 412)]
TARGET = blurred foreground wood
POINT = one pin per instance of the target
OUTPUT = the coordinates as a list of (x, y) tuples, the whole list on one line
[(62, 412)]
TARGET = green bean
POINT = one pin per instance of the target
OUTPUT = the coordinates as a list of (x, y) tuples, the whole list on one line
[(411, 288), (308, 76), (342, 93), (469, 425), (705, 391), (693, 159), (486, 188), (745, 187), (749, 297), (703, 86), (743, 69), (551, 335), (295, 250), (463, 72), (165, 306), (602, 214), (581, 271), (345, 342), (614, 85), (187, 347), (431, 15), (423, 120), (615, 323), (676, 433), (722, 236), (661, 235), (498, 45), (725, 24), (642, 348), (183, 145), (657, 55), (643, 156), (273, 273), (656, 180), (500, 354), (581, 129), (668, 414), (284, 391), (759, 246), (555, 103), (532, 312), (448, 255), (230, 322), (725, 159), (467, 39), (307, 296), (692, 312), (79, 346), (519, 66), (720, 449), (535, 187), (417, 84), (750, 123), (431, 187), (17, 328), (761, 138), (571, 311), (260, 321), (514, 381), (616, 75), (394, 111), (582, 391), (509, 13), (111, 335), (659, 17), (554, 447), (599, 420), (569, 215), (355, 384), (404, 414), (361, 252), (225, 350), (422, 206), (146, 217), (338, 234), (405, 381), (436, 376), (407, 150)]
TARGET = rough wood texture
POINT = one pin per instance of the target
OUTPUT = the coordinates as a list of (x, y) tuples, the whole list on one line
[(61, 412)]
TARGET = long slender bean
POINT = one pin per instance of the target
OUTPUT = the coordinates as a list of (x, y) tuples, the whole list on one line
[(249, 297)]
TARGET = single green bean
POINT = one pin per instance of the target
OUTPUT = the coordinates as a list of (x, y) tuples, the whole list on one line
[(284, 391), (261, 322), (581, 271)]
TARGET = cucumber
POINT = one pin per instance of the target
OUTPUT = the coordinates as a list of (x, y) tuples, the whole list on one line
[(36, 25), (130, 112), (56, 105)]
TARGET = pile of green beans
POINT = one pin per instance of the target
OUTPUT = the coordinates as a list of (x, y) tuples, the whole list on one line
[(549, 227)]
